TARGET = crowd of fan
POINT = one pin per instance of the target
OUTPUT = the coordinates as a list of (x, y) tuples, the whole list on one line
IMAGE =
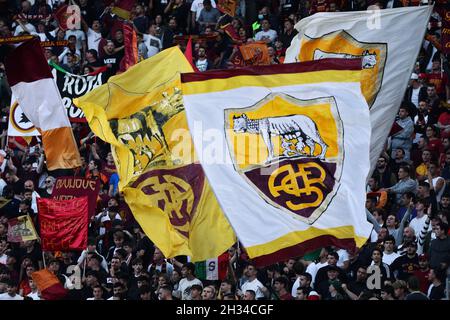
[(408, 195)]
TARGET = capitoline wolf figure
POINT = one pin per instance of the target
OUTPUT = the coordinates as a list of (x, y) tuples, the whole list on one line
[(299, 127)]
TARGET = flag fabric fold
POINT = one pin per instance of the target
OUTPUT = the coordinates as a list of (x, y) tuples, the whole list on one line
[(289, 156), (32, 84), (387, 57), (145, 123)]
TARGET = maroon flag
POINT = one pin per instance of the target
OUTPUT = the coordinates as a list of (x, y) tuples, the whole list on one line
[(64, 224), (445, 38), (62, 15), (229, 30), (67, 188)]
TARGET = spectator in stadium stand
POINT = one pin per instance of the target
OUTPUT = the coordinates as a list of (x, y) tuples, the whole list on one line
[(423, 272), (404, 266), (165, 293), (436, 291), (249, 295), (289, 32), (387, 293), (267, 34), (440, 247), (383, 174), (416, 91), (402, 139), (405, 184), (188, 280), (196, 292), (389, 255), (281, 286), (209, 293)]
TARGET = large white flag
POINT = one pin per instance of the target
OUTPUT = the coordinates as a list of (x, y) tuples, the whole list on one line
[(18, 124), (388, 42), (286, 150)]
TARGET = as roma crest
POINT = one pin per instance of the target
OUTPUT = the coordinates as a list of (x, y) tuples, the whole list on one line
[(340, 44), (290, 151)]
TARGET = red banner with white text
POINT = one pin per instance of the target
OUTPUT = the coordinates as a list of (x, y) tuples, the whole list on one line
[(64, 224)]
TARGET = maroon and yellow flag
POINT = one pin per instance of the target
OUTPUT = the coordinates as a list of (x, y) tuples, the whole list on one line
[(167, 191)]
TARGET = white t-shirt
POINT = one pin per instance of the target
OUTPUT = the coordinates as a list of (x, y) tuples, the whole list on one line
[(261, 35), (185, 287), (153, 44), (415, 96), (29, 26), (2, 185), (6, 296), (93, 39), (34, 296), (3, 258), (389, 258), (313, 268), (202, 65), (79, 35), (295, 286), (441, 192), (34, 197), (254, 285), (417, 224), (197, 6), (343, 256)]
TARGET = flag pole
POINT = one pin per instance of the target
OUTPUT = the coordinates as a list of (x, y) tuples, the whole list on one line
[(43, 259)]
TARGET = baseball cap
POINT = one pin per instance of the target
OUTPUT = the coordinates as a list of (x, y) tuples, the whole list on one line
[(414, 76), (313, 295)]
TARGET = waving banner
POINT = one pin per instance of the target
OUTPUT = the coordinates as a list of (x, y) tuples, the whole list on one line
[(67, 188), (19, 125), (387, 42), (21, 229), (72, 86), (288, 153), (145, 123), (64, 224)]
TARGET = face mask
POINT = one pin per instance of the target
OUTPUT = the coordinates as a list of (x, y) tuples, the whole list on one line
[(260, 16)]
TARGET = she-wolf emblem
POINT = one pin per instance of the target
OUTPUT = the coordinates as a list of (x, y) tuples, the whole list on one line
[(299, 127)]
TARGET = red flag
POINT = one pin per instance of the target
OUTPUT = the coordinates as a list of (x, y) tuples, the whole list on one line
[(123, 8), (64, 223), (131, 53), (49, 285), (188, 54)]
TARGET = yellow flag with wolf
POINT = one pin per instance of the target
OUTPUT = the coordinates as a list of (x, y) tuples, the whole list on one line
[(141, 114)]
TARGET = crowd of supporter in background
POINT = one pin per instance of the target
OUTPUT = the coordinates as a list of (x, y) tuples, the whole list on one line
[(408, 195)]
